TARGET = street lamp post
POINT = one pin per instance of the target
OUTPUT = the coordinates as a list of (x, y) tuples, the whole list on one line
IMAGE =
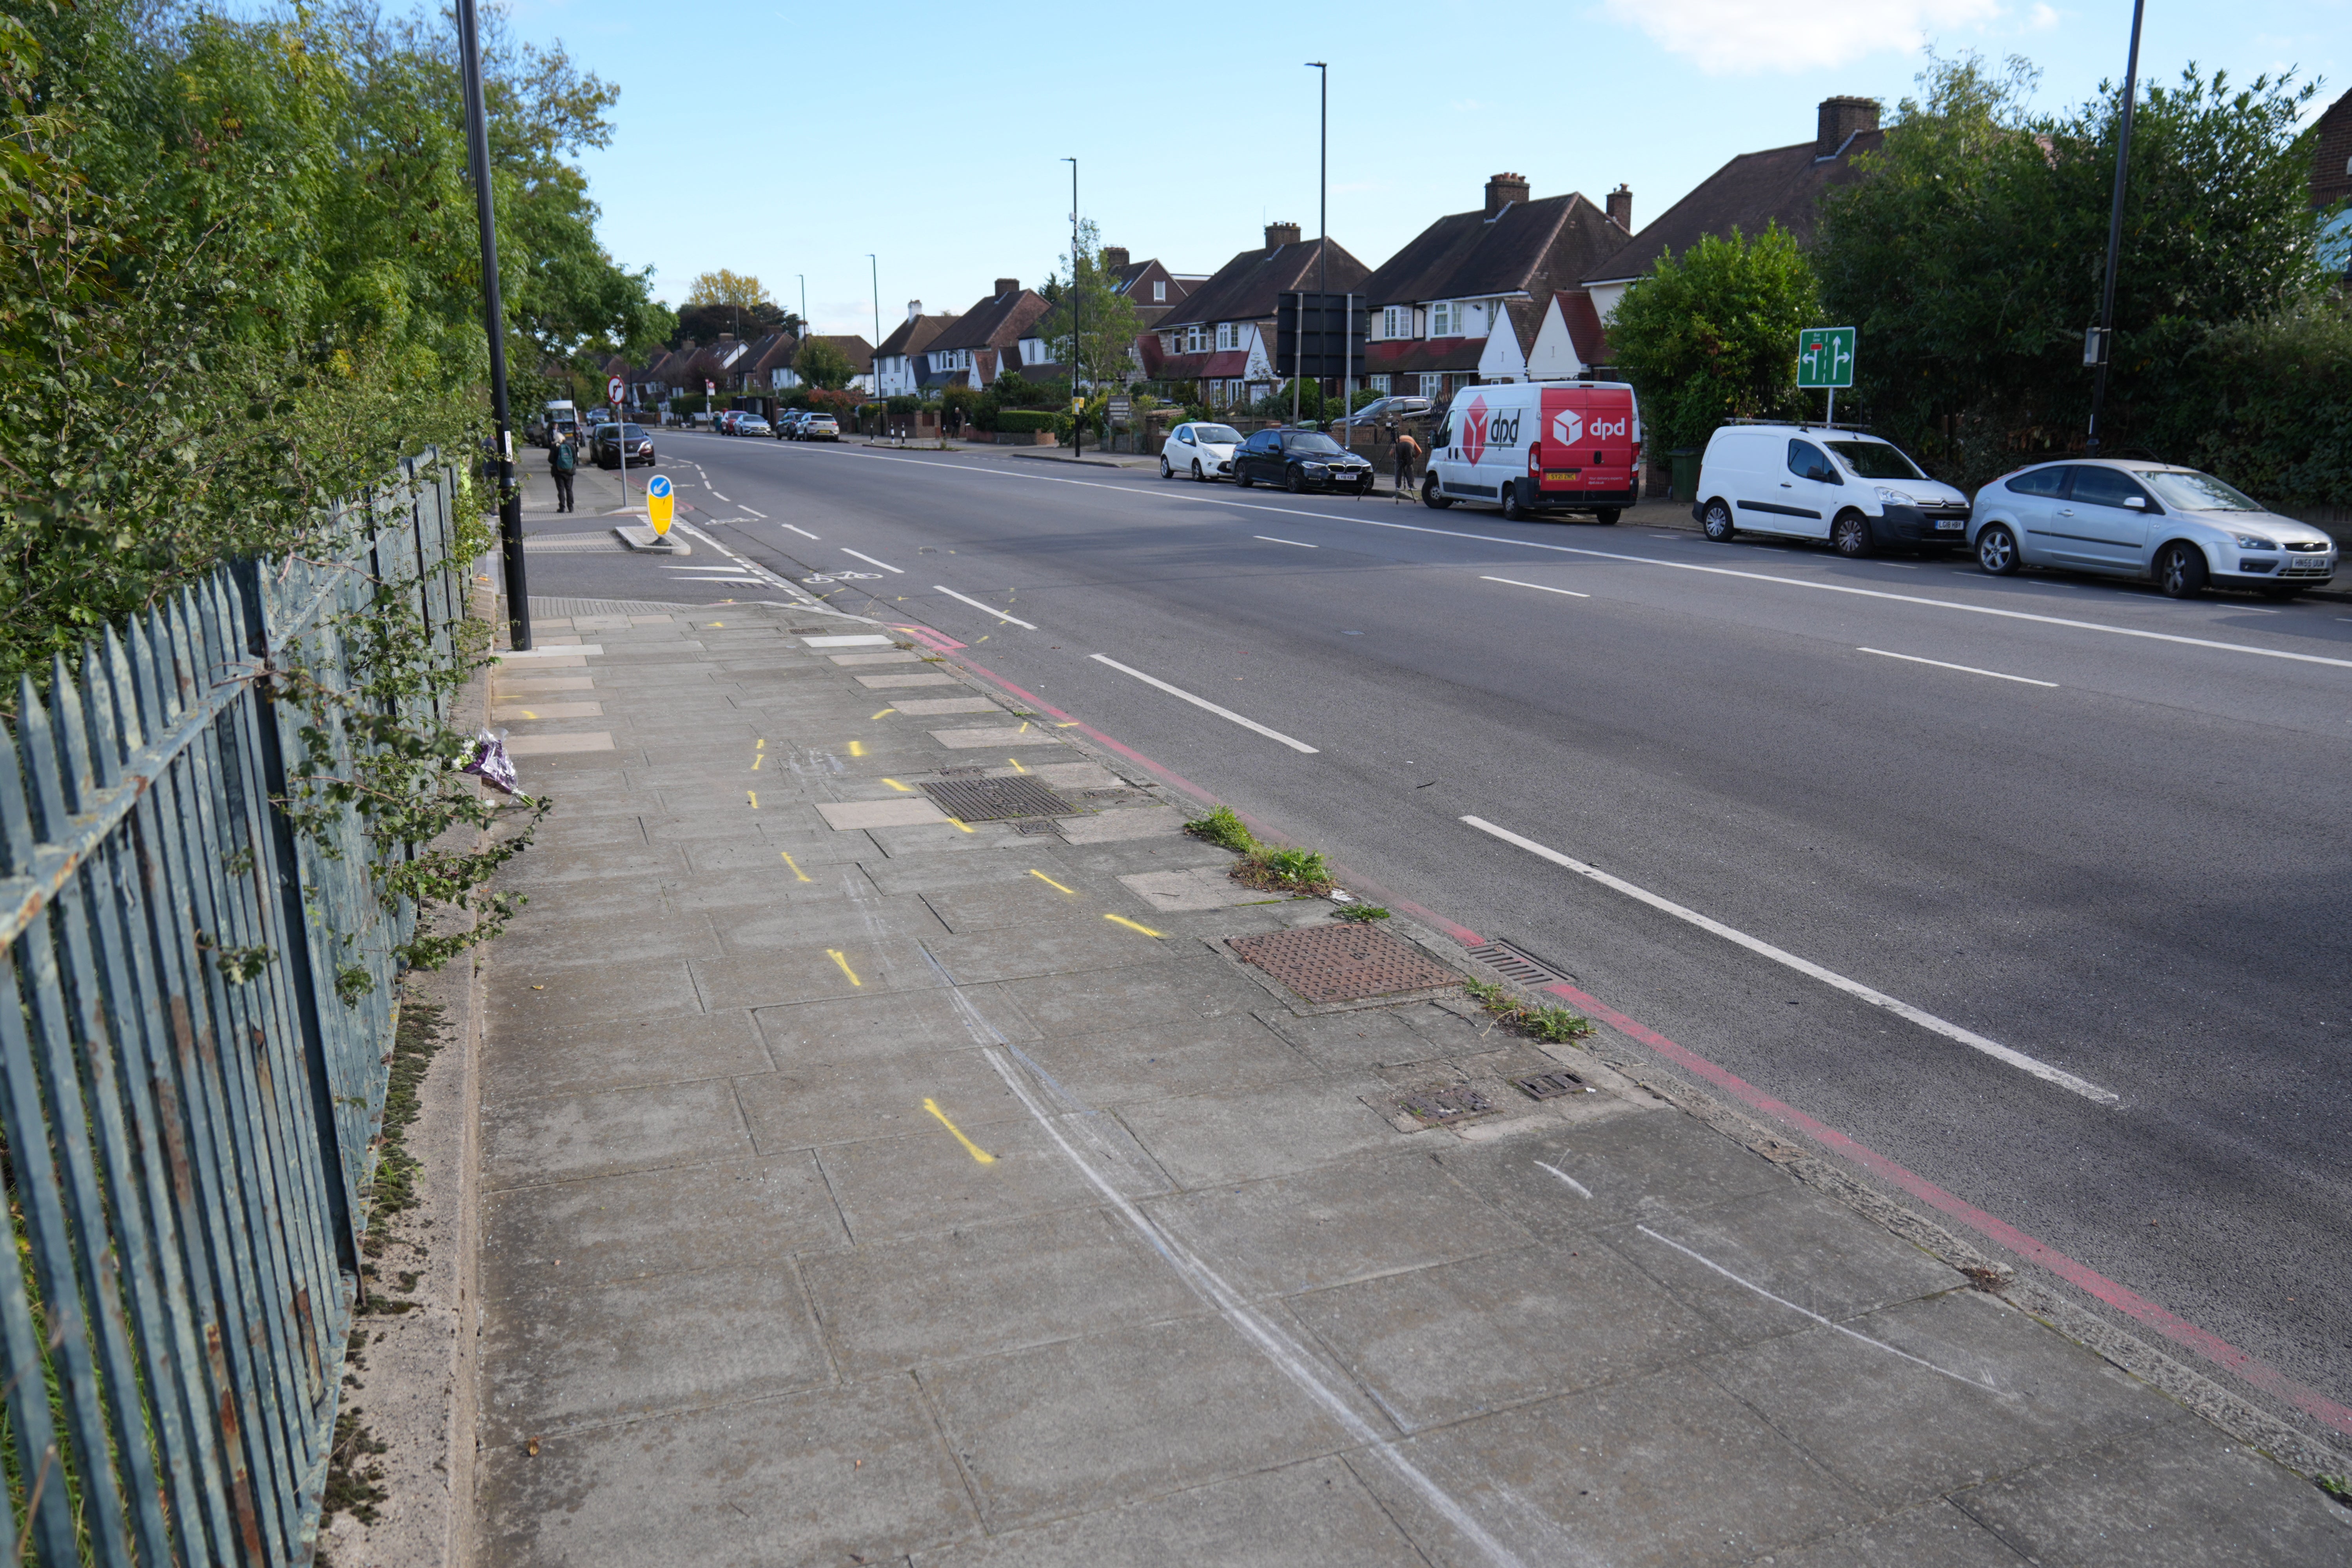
[(1077, 323), (2097, 351), (1322, 248), (876, 267), (494, 319)]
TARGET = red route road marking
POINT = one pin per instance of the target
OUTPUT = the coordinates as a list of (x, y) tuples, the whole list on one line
[(2000, 1232)]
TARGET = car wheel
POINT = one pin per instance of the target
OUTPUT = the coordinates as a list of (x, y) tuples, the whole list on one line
[(1850, 534), (2281, 590), (1512, 512), (2181, 571), (1717, 521), (1997, 551), (1241, 476), (1294, 482), (1429, 497), (1607, 516), (1198, 477), (1168, 473)]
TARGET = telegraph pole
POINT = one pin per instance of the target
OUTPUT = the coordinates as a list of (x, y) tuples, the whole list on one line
[(2097, 351), (493, 320)]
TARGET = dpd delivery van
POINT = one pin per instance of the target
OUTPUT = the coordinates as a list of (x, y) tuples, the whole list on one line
[(1540, 446)]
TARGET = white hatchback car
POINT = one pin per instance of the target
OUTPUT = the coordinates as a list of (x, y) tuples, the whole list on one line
[(2183, 529), (1203, 450)]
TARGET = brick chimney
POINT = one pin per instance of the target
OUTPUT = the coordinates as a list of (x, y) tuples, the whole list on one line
[(1504, 189), (1841, 118), (1621, 207), (914, 309), (1281, 234), (1114, 258), (1008, 286)]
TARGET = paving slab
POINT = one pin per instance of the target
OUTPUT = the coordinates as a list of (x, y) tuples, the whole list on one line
[(563, 1053), (1244, 1134), (1155, 1062), (920, 1181), (563, 1137)]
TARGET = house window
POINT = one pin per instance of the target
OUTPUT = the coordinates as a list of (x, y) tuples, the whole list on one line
[(1433, 383), (1225, 334), (1381, 383), (1396, 321), (1158, 291), (1445, 318)]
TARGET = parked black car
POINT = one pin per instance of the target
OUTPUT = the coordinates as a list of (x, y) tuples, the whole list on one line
[(610, 439), (1300, 460)]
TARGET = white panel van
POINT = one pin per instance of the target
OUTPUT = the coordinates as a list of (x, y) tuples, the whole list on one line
[(1814, 482), (1534, 445)]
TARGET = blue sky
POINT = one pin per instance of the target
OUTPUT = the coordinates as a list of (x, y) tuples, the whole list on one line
[(785, 140)]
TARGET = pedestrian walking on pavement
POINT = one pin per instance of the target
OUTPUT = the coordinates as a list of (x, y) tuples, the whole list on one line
[(1407, 451), (563, 462)]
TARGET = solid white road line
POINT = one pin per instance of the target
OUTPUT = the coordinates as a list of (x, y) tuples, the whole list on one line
[(1830, 977), (729, 500), (803, 533), (1272, 540), (752, 569), (1677, 565), (1539, 588), (1808, 1311), (976, 605), (1204, 702), (1963, 669), (760, 515), (871, 561)]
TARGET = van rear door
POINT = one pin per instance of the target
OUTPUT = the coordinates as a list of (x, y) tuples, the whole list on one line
[(1590, 435)]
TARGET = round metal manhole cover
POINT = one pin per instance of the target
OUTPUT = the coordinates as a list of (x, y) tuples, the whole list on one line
[(1342, 963)]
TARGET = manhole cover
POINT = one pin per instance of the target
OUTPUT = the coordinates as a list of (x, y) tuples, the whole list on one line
[(1342, 963), (1550, 1085), (996, 800), (1446, 1104)]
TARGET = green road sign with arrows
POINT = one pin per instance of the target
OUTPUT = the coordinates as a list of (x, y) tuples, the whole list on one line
[(1825, 357)]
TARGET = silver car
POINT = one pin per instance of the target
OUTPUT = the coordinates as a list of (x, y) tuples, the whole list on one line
[(2182, 529)]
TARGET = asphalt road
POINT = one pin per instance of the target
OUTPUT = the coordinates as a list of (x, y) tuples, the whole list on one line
[(2109, 842)]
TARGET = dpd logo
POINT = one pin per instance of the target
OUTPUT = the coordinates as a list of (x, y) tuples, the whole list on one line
[(1568, 427), (1474, 429)]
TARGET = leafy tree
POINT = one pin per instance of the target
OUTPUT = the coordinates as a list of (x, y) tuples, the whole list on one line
[(704, 322), (1711, 335), (1105, 322), (820, 363), (741, 290), (1971, 256)]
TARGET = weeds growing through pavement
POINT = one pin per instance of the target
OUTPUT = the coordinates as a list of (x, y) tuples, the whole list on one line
[(1303, 872), (1363, 914), (1222, 827), (1553, 1026)]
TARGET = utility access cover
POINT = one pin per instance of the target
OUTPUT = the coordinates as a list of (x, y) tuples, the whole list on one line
[(996, 800), (1342, 963)]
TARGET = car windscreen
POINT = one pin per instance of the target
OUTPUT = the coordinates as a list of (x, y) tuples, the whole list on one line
[(2192, 492), (1310, 441), (1876, 460), (1217, 435), (628, 433)]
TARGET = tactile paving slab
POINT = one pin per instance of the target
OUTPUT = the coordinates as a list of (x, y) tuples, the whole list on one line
[(996, 799), (1342, 963)]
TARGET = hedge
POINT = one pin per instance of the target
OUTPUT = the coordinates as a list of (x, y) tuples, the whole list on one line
[(1023, 421)]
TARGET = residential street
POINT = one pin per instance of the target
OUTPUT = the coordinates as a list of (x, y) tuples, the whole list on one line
[(2126, 876)]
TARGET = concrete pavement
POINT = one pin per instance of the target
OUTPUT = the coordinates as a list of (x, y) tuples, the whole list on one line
[(865, 1184)]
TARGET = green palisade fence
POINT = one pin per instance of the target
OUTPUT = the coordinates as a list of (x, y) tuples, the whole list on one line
[(190, 1122)]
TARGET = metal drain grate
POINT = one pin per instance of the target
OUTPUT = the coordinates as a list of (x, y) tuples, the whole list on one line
[(1515, 964), (1442, 1105), (996, 800), (1550, 1085), (1342, 963)]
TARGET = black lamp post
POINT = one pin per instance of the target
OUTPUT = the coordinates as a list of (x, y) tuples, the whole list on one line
[(1077, 322), (2095, 350), (493, 320)]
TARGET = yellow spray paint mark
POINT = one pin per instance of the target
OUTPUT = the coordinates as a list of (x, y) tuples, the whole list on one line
[(1050, 882), (884, 714), (1132, 926), (529, 714), (960, 823), (1024, 725), (856, 748), (795, 867), (755, 798), (760, 746), (1071, 725), (1016, 764), (757, 758), (984, 637), (974, 1149), (902, 789), (835, 954), (722, 624)]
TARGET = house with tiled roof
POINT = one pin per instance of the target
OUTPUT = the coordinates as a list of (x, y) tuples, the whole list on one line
[(1467, 299), (968, 353), (1779, 184), (1149, 285), (896, 370), (774, 370), (1220, 334)]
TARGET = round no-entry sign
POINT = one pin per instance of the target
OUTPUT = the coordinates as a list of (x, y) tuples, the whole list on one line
[(615, 388), (659, 500)]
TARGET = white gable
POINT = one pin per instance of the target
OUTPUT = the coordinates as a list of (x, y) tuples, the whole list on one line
[(1259, 365), (1501, 360), (1554, 357)]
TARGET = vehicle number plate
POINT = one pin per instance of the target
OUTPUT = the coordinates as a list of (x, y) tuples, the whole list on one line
[(2319, 565), (1561, 476), (1953, 524)]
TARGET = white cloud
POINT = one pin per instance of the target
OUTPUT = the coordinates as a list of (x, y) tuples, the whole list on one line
[(1737, 37)]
